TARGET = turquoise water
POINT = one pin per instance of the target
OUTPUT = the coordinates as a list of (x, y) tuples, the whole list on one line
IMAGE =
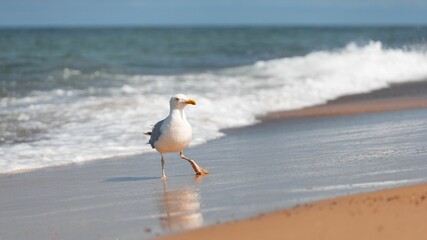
[(66, 92)]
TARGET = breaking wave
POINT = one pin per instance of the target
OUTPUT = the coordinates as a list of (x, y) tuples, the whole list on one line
[(61, 126)]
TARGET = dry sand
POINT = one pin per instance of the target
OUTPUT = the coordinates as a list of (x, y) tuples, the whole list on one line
[(388, 214)]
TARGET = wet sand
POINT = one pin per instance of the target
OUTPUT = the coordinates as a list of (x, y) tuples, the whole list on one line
[(253, 170), (351, 108), (399, 213), (405, 96)]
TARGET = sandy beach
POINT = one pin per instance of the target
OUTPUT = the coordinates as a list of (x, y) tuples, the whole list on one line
[(388, 214), (277, 164)]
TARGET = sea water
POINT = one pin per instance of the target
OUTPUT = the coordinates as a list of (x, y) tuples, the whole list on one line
[(70, 95)]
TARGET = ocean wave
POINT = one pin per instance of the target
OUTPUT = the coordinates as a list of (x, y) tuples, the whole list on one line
[(75, 125)]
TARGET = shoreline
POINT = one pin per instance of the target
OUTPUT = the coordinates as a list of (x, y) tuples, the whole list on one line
[(402, 96), (390, 213), (253, 170), (352, 108), (397, 213)]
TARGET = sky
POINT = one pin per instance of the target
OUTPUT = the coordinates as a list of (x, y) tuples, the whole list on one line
[(211, 12)]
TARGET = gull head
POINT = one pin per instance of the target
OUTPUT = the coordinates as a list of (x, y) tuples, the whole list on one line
[(179, 101)]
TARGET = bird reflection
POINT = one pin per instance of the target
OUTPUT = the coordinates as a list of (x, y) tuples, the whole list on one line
[(181, 207)]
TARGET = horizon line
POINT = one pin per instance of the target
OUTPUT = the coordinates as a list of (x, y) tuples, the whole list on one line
[(100, 26)]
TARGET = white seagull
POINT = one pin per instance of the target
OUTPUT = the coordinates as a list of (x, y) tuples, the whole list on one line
[(174, 133)]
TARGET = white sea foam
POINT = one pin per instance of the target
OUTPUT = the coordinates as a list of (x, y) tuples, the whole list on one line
[(69, 126)]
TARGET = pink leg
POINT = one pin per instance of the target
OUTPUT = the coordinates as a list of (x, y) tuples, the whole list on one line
[(163, 168), (197, 168)]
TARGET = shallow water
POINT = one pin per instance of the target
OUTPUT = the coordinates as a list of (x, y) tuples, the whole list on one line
[(253, 170), (75, 95)]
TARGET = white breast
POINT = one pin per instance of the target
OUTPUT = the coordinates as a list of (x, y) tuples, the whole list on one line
[(175, 135)]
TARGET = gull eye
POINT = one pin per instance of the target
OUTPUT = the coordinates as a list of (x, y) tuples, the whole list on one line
[(177, 99)]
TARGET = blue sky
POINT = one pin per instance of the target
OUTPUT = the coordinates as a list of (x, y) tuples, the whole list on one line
[(211, 12)]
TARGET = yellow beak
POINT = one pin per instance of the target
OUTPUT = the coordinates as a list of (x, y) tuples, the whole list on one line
[(190, 101)]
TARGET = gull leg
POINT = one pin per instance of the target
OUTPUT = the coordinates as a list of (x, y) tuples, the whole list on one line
[(163, 168), (197, 168)]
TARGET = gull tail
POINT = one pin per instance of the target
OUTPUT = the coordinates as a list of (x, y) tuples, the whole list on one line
[(147, 133)]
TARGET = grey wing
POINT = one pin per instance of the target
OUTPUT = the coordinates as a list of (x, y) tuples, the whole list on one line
[(155, 133)]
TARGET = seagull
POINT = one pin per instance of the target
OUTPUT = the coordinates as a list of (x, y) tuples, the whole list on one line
[(174, 133)]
